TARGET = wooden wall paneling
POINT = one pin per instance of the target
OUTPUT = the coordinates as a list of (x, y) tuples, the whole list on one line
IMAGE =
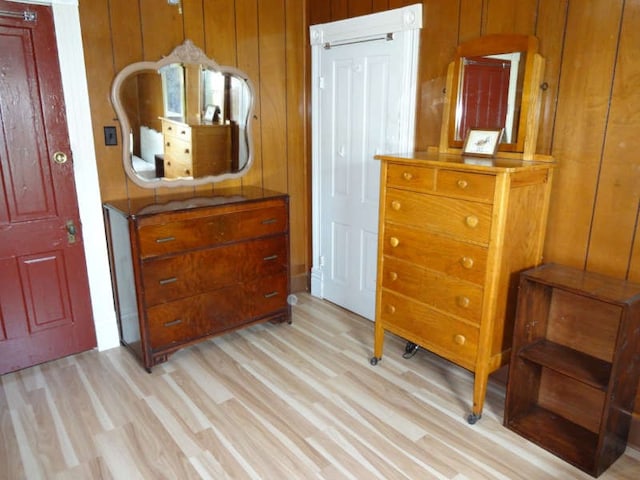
[(438, 43), (220, 31), (162, 28), (552, 16), (616, 209), (319, 12), (583, 100), (193, 15), (471, 22), (359, 7), (298, 174), (248, 53), (101, 66), (382, 5), (339, 10), (273, 71), (507, 16)]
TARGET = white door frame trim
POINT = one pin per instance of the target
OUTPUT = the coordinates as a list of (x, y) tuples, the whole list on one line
[(357, 29)]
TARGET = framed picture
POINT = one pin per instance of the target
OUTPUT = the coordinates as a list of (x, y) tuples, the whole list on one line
[(173, 90), (208, 113), (482, 142)]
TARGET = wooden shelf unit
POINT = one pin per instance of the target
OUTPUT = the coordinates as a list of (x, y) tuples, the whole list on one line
[(575, 364)]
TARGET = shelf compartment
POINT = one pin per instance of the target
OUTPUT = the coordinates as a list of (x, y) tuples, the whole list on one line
[(557, 434), (569, 362)]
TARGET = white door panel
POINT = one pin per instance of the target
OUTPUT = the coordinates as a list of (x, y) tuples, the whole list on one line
[(363, 97)]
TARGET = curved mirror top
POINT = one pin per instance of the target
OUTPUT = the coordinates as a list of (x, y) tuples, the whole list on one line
[(491, 87), (185, 120)]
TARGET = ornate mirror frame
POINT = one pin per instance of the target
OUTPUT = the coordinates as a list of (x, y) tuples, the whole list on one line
[(524, 143), (185, 54)]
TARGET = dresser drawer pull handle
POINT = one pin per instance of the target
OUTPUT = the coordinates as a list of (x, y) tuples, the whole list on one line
[(169, 128), (394, 241), (173, 323), (393, 276), (165, 239), (271, 295), (391, 309), (466, 262), (472, 221), (462, 184), (464, 302), (168, 144), (459, 339), (396, 205), (183, 132), (269, 221), (186, 150), (407, 176), (270, 257), (166, 281)]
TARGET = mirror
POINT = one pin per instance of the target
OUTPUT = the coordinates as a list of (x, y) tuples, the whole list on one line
[(493, 83), (184, 119)]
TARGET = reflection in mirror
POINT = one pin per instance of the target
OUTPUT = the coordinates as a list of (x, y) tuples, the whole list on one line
[(492, 86), (185, 120)]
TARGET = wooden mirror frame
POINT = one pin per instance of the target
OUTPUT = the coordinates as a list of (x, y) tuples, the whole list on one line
[(187, 54), (525, 144)]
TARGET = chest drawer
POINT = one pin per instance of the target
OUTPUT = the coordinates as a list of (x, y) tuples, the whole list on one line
[(263, 257), (170, 278), (445, 293), (460, 218), (441, 334), (268, 294), (418, 179), (176, 131), (196, 316), (475, 186), (451, 257), (176, 236)]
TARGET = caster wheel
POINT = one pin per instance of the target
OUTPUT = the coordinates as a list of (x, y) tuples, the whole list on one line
[(373, 361), (473, 418)]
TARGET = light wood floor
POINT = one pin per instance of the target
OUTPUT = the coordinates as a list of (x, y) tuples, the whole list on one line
[(276, 401)]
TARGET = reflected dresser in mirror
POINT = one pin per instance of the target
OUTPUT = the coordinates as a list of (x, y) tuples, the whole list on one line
[(190, 268)]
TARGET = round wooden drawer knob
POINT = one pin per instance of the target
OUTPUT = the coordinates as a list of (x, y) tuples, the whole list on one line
[(462, 184), (394, 241), (407, 176), (396, 205), (471, 221), (466, 262), (391, 309), (459, 339), (463, 302), (393, 276)]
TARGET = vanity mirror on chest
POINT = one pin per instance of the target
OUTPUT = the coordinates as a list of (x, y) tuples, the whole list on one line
[(194, 265), (455, 230)]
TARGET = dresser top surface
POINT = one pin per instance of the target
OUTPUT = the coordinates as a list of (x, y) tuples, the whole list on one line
[(137, 207), (493, 164)]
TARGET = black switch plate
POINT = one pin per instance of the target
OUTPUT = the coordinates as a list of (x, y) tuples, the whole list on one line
[(110, 136)]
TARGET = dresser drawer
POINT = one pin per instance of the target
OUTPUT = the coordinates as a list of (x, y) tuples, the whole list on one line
[(476, 186), (170, 278), (445, 293), (176, 236), (453, 339), (194, 317), (176, 168), (177, 150), (451, 257), (459, 218), (268, 294), (177, 131), (264, 257), (418, 179)]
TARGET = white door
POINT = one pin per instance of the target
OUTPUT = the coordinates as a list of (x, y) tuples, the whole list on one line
[(364, 96)]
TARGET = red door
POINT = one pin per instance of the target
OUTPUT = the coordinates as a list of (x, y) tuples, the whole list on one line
[(45, 310), (485, 95)]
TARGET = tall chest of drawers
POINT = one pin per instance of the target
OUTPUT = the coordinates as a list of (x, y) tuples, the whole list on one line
[(454, 233), (196, 267)]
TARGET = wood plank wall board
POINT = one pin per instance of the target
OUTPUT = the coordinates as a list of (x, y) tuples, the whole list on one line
[(471, 20), (615, 218), (273, 95), (220, 31), (438, 43), (506, 16), (582, 112), (297, 139), (552, 17)]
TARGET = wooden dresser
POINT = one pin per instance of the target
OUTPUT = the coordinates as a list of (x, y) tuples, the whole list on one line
[(195, 267), (196, 150), (454, 233)]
